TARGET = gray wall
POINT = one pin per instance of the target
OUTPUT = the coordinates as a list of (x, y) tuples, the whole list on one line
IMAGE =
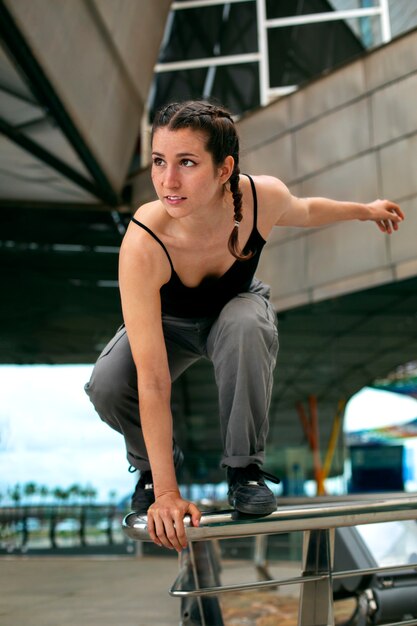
[(350, 135)]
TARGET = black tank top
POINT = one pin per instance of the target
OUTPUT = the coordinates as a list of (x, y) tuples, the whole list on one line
[(209, 297)]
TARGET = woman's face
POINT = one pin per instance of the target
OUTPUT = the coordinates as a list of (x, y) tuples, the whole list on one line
[(183, 173)]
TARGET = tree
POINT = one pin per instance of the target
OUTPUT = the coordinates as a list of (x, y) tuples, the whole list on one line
[(75, 492), (60, 494), (15, 494), (89, 493), (29, 490), (44, 491)]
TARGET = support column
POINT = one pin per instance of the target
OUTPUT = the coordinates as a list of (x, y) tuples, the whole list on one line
[(316, 597)]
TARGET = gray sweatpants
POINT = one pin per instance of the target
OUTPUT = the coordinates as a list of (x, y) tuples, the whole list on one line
[(242, 343)]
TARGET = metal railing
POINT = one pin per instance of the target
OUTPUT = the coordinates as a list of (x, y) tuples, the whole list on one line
[(317, 518), (380, 10)]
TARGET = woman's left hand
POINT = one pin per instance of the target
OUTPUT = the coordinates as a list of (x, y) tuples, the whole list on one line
[(386, 214)]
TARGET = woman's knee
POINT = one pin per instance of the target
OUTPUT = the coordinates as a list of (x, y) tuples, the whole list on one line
[(104, 388), (113, 379)]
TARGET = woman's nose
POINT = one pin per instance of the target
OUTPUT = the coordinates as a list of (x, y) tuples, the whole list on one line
[(171, 178)]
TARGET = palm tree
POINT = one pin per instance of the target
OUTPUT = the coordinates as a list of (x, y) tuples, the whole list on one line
[(29, 490), (60, 494), (44, 491), (15, 494), (75, 492), (89, 493)]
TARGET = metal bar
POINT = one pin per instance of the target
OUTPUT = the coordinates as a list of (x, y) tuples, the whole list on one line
[(330, 16), (385, 21), (48, 205), (316, 597), (263, 52), (407, 622), (47, 96), (197, 4), (330, 514), (260, 560), (233, 59), (51, 160), (373, 570), (180, 588), (200, 567), (281, 91)]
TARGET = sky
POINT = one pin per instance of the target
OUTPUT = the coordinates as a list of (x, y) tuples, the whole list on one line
[(50, 433)]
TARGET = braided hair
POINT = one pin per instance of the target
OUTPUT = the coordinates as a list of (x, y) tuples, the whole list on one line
[(222, 140)]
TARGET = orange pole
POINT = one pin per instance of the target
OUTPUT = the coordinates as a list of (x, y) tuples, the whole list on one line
[(310, 427), (316, 446)]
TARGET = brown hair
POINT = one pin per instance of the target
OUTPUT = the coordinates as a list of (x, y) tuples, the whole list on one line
[(222, 140)]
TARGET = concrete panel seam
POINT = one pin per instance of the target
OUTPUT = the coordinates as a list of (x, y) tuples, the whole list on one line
[(295, 127), (410, 196), (390, 83), (347, 103), (370, 121), (328, 168), (102, 28), (383, 269)]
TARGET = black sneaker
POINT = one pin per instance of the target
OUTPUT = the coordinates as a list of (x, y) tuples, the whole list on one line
[(144, 496), (248, 492)]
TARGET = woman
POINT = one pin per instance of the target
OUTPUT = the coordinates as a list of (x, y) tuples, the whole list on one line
[(188, 291)]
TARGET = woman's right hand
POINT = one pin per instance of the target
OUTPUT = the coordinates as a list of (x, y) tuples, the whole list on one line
[(166, 520)]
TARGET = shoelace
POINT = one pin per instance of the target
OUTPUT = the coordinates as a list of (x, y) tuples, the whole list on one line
[(252, 475), (270, 477)]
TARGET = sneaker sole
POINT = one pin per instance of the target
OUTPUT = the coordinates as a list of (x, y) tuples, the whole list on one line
[(253, 509)]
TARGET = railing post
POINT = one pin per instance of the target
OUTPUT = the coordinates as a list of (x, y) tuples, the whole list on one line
[(201, 568), (316, 597)]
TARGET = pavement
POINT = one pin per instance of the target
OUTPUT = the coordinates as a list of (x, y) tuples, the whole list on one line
[(125, 591)]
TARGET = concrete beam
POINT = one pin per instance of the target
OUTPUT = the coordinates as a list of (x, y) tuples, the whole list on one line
[(99, 57)]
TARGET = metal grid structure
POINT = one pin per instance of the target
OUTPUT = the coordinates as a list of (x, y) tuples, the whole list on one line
[(265, 25)]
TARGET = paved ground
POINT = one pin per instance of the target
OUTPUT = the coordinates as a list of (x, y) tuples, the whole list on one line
[(80, 591), (120, 591)]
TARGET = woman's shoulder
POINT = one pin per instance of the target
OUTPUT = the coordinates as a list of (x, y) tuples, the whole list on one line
[(148, 211), (273, 197), (141, 249), (146, 219), (271, 192), (268, 185)]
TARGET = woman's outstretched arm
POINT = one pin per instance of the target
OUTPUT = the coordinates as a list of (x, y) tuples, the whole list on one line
[(289, 210)]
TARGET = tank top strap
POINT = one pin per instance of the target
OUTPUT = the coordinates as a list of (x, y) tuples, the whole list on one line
[(255, 201), (152, 234)]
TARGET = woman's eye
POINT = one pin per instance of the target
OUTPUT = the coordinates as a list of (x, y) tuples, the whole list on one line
[(157, 161), (187, 162)]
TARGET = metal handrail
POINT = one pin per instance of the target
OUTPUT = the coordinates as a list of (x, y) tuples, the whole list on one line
[(317, 518), (177, 590), (308, 515)]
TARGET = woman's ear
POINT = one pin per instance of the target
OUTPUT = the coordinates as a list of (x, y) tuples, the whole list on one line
[(226, 169)]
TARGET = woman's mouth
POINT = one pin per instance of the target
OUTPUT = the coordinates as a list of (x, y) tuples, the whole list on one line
[(174, 199)]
